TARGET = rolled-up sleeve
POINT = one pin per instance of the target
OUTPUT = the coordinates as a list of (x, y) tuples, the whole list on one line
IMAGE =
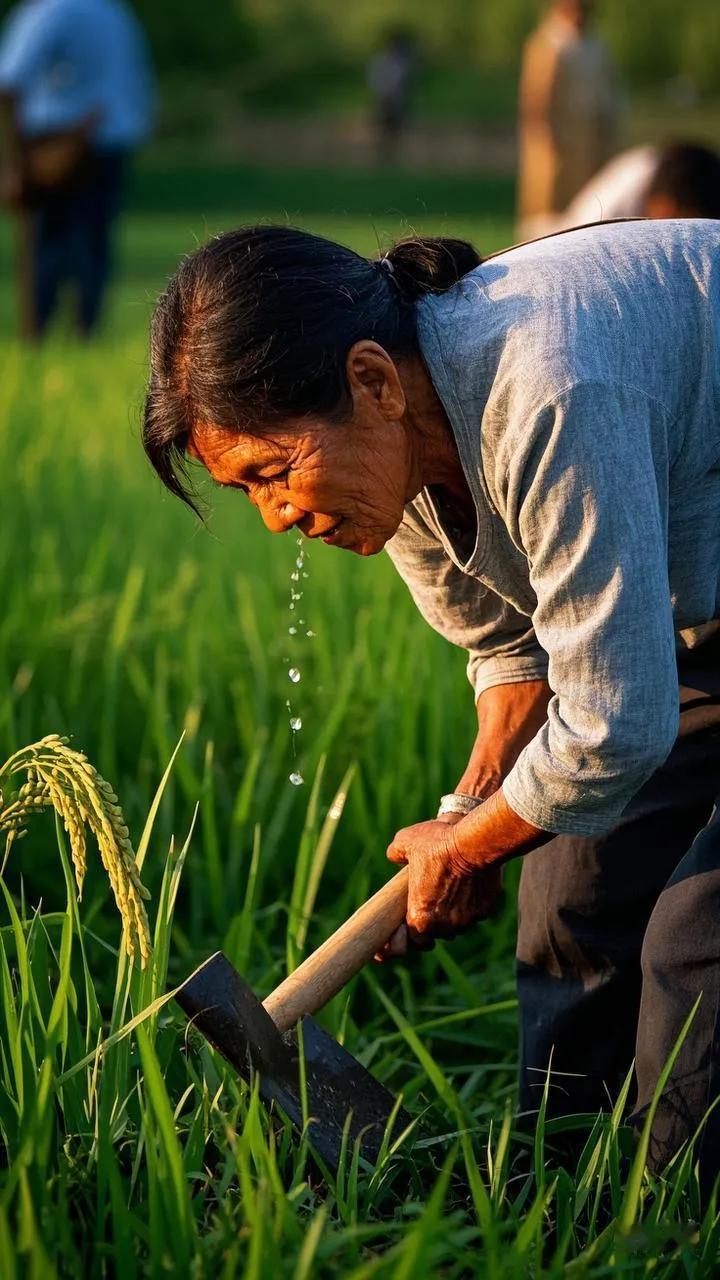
[(500, 642), (585, 499)]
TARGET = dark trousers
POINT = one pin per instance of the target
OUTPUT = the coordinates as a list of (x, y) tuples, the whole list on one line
[(70, 241), (618, 937)]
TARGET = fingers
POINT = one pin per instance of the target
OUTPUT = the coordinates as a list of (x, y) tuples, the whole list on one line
[(420, 941), (395, 946), (425, 923), (400, 943), (397, 854), (424, 939), (442, 901)]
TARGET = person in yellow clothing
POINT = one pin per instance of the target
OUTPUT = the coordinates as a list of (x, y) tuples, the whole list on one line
[(569, 111)]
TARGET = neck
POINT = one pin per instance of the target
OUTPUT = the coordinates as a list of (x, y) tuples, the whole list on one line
[(434, 457)]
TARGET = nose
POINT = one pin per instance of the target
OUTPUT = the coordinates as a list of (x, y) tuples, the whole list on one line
[(281, 519)]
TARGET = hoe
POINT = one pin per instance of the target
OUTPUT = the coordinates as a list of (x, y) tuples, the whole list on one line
[(264, 1037)]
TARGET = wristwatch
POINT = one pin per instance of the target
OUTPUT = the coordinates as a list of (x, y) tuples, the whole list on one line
[(458, 802)]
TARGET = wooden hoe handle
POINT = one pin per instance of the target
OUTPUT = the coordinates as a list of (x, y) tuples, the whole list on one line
[(328, 969)]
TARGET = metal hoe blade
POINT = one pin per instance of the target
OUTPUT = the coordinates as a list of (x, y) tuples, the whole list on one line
[(218, 1001)]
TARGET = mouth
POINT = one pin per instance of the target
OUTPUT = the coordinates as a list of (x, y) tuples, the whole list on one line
[(329, 535)]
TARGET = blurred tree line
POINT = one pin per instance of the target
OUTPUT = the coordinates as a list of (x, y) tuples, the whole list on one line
[(653, 41)]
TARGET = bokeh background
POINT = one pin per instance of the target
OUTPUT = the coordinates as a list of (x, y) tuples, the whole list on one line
[(264, 110), (123, 622), (126, 624)]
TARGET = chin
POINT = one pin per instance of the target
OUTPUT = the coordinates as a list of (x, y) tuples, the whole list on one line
[(371, 546), (363, 540), (362, 543), (374, 543), (368, 548)]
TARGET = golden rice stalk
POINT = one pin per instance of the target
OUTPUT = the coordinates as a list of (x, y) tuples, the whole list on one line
[(63, 779)]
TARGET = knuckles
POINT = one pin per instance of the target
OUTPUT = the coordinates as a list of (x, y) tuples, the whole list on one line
[(395, 854), (419, 920), (425, 921)]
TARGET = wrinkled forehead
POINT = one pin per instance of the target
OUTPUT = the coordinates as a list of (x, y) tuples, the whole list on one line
[(223, 449)]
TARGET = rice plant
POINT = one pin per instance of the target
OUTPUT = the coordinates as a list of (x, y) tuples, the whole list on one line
[(127, 1146)]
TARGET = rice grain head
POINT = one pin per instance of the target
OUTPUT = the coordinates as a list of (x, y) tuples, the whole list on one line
[(63, 779)]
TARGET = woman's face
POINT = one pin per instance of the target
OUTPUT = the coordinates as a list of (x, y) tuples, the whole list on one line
[(346, 483)]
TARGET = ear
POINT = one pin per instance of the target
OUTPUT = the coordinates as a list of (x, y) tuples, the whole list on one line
[(373, 375)]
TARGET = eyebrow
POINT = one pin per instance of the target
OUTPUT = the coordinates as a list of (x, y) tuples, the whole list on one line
[(227, 484), (249, 470), (256, 464), (263, 453)]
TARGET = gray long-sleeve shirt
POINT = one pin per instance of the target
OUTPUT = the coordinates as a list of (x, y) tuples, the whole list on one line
[(581, 378)]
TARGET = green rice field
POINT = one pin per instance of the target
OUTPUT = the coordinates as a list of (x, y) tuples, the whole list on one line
[(161, 648)]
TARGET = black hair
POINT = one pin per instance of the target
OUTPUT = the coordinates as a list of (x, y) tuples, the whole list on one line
[(256, 326), (691, 175)]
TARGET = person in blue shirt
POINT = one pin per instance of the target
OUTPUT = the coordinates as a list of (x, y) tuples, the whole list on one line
[(77, 70)]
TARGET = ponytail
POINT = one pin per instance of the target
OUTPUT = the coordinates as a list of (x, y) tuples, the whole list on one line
[(430, 264)]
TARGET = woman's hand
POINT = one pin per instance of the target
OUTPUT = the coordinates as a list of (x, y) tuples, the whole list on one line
[(445, 895), (442, 900)]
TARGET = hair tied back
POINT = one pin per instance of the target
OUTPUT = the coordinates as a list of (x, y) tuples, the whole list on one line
[(255, 326)]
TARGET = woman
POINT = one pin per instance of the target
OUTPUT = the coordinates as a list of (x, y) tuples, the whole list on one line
[(536, 442)]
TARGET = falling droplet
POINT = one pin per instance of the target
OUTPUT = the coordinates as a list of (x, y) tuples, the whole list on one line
[(310, 634), (296, 627)]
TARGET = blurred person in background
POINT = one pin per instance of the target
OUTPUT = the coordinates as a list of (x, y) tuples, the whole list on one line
[(568, 112), (390, 77), (76, 88), (679, 180)]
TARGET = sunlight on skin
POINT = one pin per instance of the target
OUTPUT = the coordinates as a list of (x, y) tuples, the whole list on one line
[(348, 482)]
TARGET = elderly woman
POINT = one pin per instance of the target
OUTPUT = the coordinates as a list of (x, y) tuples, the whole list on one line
[(535, 440)]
